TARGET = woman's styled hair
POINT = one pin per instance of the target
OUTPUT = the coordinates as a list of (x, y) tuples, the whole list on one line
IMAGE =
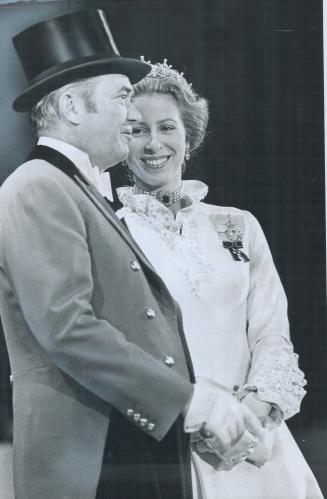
[(47, 113), (193, 108)]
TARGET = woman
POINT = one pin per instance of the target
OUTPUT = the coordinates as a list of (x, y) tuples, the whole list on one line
[(216, 263)]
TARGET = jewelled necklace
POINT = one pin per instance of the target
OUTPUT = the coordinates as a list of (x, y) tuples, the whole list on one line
[(165, 197)]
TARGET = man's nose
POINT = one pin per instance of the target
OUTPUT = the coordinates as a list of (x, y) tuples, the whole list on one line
[(133, 114)]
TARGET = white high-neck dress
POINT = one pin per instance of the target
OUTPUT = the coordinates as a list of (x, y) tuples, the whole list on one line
[(217, 265)]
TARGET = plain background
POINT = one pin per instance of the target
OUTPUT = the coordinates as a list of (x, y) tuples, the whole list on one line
[(260, 64)]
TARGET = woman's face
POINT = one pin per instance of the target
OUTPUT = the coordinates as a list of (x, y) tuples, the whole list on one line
[(157, 148)]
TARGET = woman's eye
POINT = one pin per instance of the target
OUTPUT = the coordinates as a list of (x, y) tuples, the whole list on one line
[(138, 131), (167, 128)]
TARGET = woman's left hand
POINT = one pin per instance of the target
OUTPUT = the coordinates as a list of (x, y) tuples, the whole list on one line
[(258, 407), (261, 409), (232, 456)]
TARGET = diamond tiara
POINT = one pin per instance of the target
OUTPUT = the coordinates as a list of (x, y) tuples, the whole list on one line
[(165, 70)]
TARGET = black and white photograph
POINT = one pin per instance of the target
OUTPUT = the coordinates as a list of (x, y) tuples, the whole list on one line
[(163, 249)]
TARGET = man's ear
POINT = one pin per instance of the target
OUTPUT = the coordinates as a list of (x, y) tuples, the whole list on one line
[(71, 107)]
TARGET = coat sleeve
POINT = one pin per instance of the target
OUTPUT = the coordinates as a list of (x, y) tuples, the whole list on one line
[(48, 264), (274, 374)]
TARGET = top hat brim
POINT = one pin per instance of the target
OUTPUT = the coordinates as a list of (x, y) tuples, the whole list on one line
[(64, 74)]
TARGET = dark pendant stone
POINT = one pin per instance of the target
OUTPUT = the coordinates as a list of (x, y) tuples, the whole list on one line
[(165, 199)]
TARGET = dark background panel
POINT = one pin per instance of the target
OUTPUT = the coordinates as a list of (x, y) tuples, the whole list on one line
[(260, 64)]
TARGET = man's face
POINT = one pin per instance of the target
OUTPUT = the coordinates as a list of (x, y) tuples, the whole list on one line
[(107, 132)]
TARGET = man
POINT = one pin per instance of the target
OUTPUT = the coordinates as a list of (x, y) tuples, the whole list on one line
[(94, 338)]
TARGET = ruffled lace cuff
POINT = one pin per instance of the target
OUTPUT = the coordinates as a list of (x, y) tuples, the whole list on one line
[(276, 378)]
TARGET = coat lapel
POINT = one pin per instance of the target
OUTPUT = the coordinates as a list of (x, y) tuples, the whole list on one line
[(64, 164), (94, 195)]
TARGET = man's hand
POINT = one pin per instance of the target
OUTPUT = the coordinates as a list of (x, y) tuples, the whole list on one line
[(228, 421), (220, 421)]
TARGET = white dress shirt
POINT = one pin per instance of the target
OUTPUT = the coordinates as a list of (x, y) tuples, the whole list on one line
[(101, 180)]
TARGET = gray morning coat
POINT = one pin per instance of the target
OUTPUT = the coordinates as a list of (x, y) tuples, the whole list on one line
[(90, 328)]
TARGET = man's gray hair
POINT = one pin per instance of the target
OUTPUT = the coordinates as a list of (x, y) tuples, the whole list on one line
[(47, 113)]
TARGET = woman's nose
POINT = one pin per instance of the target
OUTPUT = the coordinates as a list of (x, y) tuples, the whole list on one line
[(133, 114), (153, 144)]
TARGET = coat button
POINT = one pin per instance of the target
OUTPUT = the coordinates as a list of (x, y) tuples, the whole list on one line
[(150, 427), (130, 413), (169, 361), (136, 416), (150, 313), (143, 422), (135, 265)]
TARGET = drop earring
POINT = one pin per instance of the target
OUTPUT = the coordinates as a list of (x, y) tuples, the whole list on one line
[(187, 154)]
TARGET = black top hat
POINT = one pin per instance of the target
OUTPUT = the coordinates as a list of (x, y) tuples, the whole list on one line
[(58, 51)]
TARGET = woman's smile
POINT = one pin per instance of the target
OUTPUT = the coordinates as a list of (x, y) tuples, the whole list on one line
[(157, 162)]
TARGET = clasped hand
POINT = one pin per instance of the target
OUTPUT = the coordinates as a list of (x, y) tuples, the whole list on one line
[(230, 433)]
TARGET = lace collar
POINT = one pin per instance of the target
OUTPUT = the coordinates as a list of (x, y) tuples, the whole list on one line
[(194, 192)]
